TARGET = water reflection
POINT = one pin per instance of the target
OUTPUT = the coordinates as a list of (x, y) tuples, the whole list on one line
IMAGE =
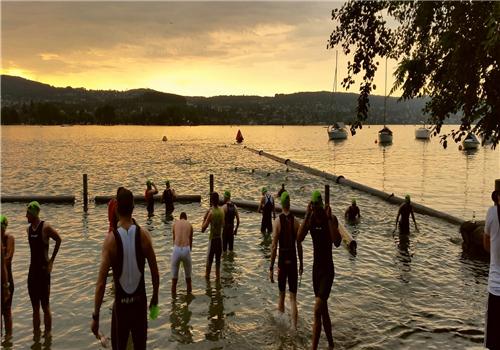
[(180, 316), (46, 345), (265, 245), (228, 269), (215, 312), (404, 256)]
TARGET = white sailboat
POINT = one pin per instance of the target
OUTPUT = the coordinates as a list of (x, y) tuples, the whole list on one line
[(471, 142), (337, 130), (385, 134), (423, 133)]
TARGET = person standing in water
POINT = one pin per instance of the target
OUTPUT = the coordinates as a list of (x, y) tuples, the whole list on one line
[(286, 227), (39, 233), (151, 190), (323, 227), (280, 192), (491, 242), (126, 251), (266, 207), (168, 197), (215, 218), (8, 246), (352, 214), (404, 211), (229, 231), (182, 235)]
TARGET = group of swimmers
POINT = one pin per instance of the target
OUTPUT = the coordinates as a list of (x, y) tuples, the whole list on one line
[(128, 246)]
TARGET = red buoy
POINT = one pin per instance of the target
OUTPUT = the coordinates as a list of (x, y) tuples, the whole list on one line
[(239, 137)]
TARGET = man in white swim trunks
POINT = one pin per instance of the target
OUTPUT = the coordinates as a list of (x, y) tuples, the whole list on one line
[(182, 235)]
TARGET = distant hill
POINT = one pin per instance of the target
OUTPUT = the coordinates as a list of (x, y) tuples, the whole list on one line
[(31, 102)]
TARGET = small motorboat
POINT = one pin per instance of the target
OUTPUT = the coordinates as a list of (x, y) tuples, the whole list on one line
[(385, 135), (470, 142), (423, 133), (337, 131), (239, 137)]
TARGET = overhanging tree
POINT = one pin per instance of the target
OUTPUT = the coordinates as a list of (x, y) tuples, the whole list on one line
[(449, 51)]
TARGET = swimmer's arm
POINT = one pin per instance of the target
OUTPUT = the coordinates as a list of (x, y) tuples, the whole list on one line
[(10, 248), (299, 247), (333, 223), (345, 213), (413, 217), (397, 217), (173, 194), (173, 233), (191, 238), (155, 189), (486, 236), (274, 247), (261, 204), (150, 255), (486, 242), (52, 233), (237, 219), (208, 219), (304, 226), (101, 279), (163, 197)]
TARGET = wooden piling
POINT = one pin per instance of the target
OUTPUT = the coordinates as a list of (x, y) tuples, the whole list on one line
[(85, 193)]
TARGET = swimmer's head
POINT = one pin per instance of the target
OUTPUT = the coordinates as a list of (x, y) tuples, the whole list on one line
[(33, 209), (285, 200), (316, 199)]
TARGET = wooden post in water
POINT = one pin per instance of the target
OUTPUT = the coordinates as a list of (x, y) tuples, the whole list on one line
[(211, 183), (85, 194)]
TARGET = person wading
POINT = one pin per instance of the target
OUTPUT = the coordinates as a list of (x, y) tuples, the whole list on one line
[(215, 218), (8, 246), (39, 233), (266, 207), (229, 231), (405, 210), (182, 236), (323, 227), (286, 227), (151, 190), (126, 251)]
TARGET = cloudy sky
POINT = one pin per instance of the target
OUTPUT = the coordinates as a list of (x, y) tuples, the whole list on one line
[(189, 48)]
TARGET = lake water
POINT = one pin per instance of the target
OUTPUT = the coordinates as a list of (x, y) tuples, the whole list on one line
[(421, 293)]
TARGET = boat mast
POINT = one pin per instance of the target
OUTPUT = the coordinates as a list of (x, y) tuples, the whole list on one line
[(335, 85), (385, 90)]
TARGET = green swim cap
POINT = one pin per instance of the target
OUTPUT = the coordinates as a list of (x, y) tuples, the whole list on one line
[(149, 182), (3, 221), (227, 194), (264, 190), (353, 201), (167, 183), (316, 198), (285, 198), (407, 198), (34, 208)]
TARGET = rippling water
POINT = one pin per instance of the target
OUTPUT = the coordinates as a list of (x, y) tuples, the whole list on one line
[(420, 293)]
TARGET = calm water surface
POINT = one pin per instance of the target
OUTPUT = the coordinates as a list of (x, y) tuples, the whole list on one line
[(418, 293)]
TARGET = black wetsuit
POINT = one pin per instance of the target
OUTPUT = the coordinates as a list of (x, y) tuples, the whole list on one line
[(129, 310), (38, 275), (168, 199), (150, 203), (323, 269), (287, 258), (352, 213), (228, 231), (404, 221), (8, 262), (267, 212)]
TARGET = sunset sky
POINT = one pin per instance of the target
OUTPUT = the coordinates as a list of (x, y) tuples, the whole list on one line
[(188, 48)]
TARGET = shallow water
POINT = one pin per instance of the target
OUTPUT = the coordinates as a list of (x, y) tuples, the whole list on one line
[(421, 293)]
